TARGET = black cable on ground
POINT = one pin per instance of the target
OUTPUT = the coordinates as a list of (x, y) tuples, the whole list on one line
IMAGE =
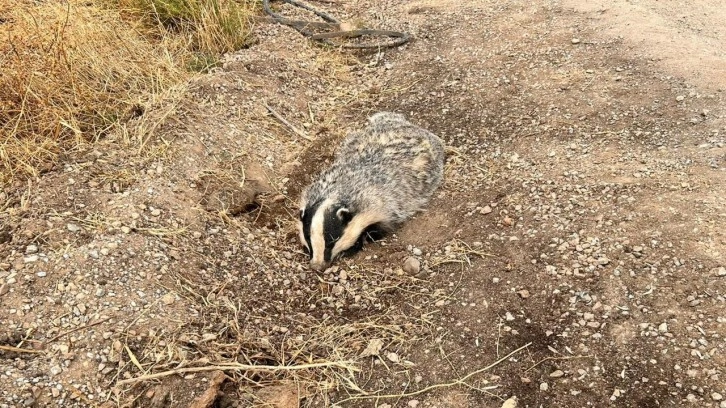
[(303, 27)]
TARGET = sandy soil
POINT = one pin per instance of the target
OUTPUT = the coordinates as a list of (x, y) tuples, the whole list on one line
[(573, 257)]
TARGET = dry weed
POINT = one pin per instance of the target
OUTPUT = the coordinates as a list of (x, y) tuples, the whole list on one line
[(73, 72)]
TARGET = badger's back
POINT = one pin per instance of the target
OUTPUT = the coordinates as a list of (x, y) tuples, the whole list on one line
[(392, 159)]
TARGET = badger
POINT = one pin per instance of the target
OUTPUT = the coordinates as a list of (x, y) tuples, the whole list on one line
[(380, 177)]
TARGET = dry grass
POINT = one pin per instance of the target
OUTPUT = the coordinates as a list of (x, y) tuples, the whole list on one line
[(212, 26), (73, 72)]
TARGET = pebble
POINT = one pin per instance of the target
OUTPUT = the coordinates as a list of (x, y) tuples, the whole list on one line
[(508, 317), (417, 252), (393, 357), (557, 374), (680, 98), (31, 249), (716, 396), (42, 274), (156, 212), (720, 271), (663, 328), (510, 403), (524, 293), (73, 227), (168, 299), (485, 210), (544, 386), (575, 40), (413, 403), (412, 266), (100, 292), (31, 259)]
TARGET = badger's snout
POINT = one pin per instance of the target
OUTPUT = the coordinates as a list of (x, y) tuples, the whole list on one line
[(319, 266)]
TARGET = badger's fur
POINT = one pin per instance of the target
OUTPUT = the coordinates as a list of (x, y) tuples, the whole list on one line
[(381, 176)]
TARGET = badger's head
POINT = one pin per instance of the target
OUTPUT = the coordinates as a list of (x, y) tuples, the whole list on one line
[(330, 228)]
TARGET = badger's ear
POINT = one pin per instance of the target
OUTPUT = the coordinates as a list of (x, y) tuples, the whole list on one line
[(344, 214)]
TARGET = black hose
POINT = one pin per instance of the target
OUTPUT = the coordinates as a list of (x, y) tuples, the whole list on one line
[(302, 27)]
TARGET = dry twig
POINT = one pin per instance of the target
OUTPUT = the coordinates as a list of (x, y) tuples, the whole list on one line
[(346, 365), (288, 124)]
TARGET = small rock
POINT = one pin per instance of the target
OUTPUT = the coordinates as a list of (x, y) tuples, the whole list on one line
[(720, 271), (168, 299), (31, 259), (73, 227), (557, 374), (412, 266), (156, 212), (55, 392), (337, 290), (4, 288), (42, 274), (544, 386), (100, 292), (575, 41), (55, 370), (680, 98), (31, 249), (125, 229), (716, 396), (508, 317), (393, 357), (524, 294), (413, 403), (510, 403), (507, 221), (417, 252), (485, 210), (663, 328)]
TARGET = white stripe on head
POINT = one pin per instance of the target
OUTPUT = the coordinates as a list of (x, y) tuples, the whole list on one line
[(317, 234), (354, 229)]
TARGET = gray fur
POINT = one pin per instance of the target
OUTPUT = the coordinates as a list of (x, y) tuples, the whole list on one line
[(391, 166)]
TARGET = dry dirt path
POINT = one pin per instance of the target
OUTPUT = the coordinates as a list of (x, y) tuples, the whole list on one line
[(590, 170)]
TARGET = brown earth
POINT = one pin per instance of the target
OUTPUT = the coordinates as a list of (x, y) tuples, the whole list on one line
[(580, 225)]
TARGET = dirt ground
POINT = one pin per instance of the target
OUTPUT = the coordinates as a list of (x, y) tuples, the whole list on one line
[(575, 255)]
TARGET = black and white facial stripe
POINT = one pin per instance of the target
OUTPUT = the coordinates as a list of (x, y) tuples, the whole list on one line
[(324, 223)]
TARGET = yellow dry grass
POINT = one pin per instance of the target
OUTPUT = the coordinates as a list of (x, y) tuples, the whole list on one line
[(73, 71)]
